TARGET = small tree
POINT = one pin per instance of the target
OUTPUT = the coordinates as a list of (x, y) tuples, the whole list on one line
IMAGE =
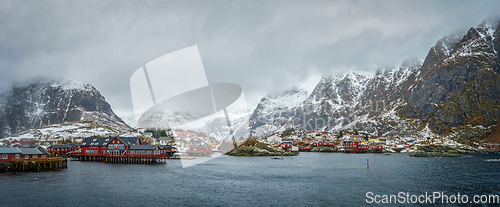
[(356, 132), (340, 135), (163, 133)]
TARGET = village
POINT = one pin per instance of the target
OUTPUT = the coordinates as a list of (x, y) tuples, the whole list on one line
[(293, 140), (156, 146), (316, 141)]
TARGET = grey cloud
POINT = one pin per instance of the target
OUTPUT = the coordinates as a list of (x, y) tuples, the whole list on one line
[(261, 45)]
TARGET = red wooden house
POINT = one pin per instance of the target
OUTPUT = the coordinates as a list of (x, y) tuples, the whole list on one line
[(351, 146), (109, 146), (305, 148), (285, 145), (28, 153), (59, 149), (200, 150), (74, 146), (94, 146), (167, 150), (363, 147), (144, 151), (8, 153), (26, 141), (378, 148), (355, 146), (118, 146)]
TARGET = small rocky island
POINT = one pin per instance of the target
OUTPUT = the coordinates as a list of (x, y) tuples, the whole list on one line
[(255, 147), (441, 151)]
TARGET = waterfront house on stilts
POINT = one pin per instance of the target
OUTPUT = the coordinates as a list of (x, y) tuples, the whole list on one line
[(28, 158), (121, 150)]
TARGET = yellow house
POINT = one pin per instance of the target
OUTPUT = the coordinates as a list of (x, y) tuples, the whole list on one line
[(373, 139)]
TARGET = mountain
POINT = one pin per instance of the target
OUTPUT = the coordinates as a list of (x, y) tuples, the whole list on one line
[(330, 100), (461, 85), (75, 129), (216, 127), (274, 111), (213, 126), (41, 103), (457, 85)]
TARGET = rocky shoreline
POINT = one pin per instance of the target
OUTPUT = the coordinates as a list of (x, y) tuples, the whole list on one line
[(253, 147), (441, 151)]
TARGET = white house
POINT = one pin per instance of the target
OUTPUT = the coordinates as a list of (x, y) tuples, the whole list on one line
[(274, 139)]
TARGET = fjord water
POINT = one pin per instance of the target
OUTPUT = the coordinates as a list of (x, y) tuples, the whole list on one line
[(310, 179)]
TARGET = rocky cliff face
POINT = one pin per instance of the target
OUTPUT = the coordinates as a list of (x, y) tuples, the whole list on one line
[(274, 111), (463, 87), (43, 103), (457, 84), (324, 108)]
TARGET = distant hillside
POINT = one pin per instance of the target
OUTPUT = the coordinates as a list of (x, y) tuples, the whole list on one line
[(37, 104)]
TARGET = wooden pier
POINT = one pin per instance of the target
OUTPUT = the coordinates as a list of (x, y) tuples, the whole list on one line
[(36, 164), (120, 159)]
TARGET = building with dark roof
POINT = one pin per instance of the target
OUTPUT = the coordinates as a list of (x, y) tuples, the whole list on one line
[(121, 149), (8, 153), (74, 146), (29, 153), (26, 141), (143, 150), (94, 145), (59, 149), (200, 150), (119, 145)]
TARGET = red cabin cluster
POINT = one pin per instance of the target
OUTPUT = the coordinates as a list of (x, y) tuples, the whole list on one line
[(354, 146), (319, 144), (305, 148), (285, 145), (26, 152), (121, 147)]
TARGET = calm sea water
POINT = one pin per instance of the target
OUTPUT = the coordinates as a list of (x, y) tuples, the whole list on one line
[(310, 179)]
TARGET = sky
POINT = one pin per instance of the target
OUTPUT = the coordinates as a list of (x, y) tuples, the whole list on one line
[(263, 46)]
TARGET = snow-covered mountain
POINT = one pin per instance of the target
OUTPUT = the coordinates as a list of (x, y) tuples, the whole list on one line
[(41, 103), (457, 84), (461, 85), (72, 130), (334, 94), (214, 126), (274, 111)]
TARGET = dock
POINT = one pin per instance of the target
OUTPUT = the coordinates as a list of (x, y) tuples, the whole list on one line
[(120, 159), (35, 164)]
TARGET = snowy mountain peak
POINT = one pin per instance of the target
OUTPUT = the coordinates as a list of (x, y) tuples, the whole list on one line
[(339, 89), (455, 85), (285, 99), (45, 102), (72, 85)]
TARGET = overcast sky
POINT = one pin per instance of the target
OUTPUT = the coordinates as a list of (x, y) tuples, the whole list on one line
[(263, 46)]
